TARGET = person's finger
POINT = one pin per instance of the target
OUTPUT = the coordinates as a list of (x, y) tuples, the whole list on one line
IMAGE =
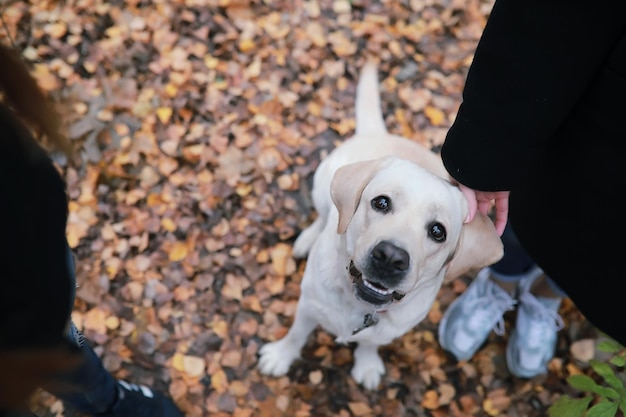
[(483, 206), (501, 207), (470, 196)]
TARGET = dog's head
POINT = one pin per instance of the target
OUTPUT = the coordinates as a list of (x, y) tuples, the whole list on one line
[(404, 229)]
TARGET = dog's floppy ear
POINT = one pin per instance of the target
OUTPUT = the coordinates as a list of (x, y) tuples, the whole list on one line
[(347, 185), (479, 246)]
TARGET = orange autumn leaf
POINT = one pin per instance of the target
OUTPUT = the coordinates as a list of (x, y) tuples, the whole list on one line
[(430, 400), (436, 116), (178, 252)]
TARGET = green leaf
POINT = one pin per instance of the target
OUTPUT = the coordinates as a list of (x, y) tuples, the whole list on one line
[(610, 346), (585, 383), (569, 407), (603, 409), (618, 361), (582, 382), (606, 372), (622, 404)]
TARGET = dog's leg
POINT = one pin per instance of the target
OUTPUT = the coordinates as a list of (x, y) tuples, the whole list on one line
[(276, 357), (368, 366), (304, 242)]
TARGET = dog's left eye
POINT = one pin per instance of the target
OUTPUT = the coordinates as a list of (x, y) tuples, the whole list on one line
[(437, 232), (381, 203)]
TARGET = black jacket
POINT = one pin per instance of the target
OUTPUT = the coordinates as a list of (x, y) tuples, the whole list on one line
[(36, 284), (544, 116)]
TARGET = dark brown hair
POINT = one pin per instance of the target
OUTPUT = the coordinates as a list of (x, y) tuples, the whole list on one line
[(23, 95)]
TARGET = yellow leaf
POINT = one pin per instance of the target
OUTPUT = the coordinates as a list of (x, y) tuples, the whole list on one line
[(178, 252), (164, 114), (246, 45), (178, 362), (435, 115), (211, 62), (219, 381), (171, 90), (112, 322), (220, 328), (168, 224), (489, 408)]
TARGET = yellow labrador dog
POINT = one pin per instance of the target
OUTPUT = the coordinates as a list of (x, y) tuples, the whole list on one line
[(389, 232)]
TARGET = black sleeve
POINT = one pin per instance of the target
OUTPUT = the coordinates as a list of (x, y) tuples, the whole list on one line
[(532, 64), (35, 277)]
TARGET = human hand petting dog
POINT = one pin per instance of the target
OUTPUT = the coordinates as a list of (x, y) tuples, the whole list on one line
[(482, 201)]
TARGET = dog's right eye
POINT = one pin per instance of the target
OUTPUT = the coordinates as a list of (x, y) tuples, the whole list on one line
[(381, 203)]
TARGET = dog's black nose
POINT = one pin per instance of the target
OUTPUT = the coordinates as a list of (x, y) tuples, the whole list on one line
[(390, 257)]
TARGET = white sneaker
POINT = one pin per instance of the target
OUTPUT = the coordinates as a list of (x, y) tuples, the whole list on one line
[(470, 318), (533, 340)]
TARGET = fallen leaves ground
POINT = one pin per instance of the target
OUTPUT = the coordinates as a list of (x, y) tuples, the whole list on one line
[(197, 126)]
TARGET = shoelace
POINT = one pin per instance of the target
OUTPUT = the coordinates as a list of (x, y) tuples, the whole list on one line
[(145, 391), (482, 310), (545, 321)]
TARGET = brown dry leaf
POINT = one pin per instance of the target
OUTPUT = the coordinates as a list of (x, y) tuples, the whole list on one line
[(46, 80), (231, 359), (316, 33), (446, 393), (583, 350), (234, 286), (341, 44), (359, 408), (95, 319), (178, 389), (469, 404), (282, 263), (56, 30), (316, 377), (497, 401), (193, 366)]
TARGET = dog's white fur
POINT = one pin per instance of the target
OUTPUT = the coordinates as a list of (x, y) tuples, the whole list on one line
[(348, 228)]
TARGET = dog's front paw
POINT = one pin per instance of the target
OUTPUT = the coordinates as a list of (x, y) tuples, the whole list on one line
[(276, 357), (368, 375), (368, 367)]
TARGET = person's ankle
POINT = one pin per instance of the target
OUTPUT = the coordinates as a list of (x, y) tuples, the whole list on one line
[(541, 288), (509, 287)]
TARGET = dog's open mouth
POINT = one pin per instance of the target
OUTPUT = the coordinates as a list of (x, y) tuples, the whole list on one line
[(371, 292)]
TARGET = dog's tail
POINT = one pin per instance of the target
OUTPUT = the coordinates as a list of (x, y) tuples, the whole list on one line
[(368, 112)]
